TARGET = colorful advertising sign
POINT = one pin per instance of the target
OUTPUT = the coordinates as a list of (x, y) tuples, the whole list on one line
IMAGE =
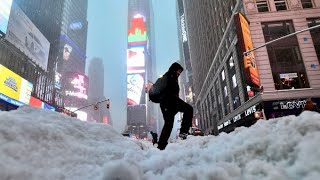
[(135, 60), (5, 8), (71, 59), (137, 34), (38, 103), (23, 34), (14, 86), (76, 85), (135, 85), (245, 41)]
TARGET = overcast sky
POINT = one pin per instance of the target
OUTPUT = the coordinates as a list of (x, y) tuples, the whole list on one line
[(107, 39), (40, 144)]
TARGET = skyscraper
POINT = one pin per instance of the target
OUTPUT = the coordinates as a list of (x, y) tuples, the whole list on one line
[(185, 53), (96, 89), (64, 24), (140, 64)]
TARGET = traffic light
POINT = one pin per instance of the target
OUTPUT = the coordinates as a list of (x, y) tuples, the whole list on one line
[(96, 107), (108, 104)]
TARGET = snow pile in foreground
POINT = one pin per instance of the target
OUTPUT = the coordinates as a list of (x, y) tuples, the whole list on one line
[(40, 144)]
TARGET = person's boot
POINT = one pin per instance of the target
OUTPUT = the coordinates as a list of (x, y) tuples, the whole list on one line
[(155, 141), (162, 146), (183, 136)]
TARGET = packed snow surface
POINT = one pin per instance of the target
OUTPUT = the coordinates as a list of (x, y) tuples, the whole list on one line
[(40, 144)]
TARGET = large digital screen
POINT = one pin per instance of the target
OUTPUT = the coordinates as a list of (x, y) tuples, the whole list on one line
[(135, 60), (245, 41), (23, 34), (75, 87), (135, 91), (14, 86), (70, 59), (5, 8), (137, 33)]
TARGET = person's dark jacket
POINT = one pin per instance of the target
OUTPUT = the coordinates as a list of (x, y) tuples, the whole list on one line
[(172, 87)]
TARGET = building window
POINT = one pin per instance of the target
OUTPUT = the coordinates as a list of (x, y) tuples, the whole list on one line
[(234, 81), (231, 62), (315, 34), (286, 62), (225, 91), (262, 6), (280, 5), (306, 4), (223, 76)]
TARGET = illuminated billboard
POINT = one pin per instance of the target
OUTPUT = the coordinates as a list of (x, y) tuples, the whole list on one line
[(70, 59), (23, 34), (5, 8), (14, 86), (245, 41), (137, 33), (135, 60), (135, 91), (76, 85), (40, 104)]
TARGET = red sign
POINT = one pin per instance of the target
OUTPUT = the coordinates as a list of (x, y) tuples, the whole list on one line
[(35, 102)]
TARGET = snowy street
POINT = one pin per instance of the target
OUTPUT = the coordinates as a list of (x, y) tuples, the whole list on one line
[(40, 144)]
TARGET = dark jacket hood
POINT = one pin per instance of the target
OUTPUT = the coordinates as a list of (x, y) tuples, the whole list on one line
[(174, 67)]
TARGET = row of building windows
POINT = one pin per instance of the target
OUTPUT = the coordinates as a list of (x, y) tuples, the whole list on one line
[(281, 5), (21, 65), (287, 66)]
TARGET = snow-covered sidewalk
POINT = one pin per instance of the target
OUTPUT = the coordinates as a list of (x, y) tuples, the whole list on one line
[(40, 144)]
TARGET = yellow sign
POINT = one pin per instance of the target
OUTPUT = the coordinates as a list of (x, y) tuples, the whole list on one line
[(10, 83), (14, 86)]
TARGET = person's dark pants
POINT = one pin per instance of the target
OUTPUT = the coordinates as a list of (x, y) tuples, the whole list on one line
[(169, 109)]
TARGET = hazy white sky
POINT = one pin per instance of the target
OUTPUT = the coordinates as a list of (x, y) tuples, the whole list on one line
[(107, 39), (40, 144)]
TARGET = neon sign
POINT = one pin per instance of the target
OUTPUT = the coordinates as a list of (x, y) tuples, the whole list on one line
[(137, 34), (78, 83)]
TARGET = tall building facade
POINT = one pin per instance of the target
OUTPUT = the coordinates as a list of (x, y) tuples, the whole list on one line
[(234, 88), (24, 61), (140, 65), (184, 50), (187, 80), (96, 93), (63, 23)]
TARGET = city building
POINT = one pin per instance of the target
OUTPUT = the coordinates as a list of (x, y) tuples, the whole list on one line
[(23, 62), (140, 68), (64, 24), (211, 37), (96, 93), (234, 88), (58, 27), (187, 79)]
